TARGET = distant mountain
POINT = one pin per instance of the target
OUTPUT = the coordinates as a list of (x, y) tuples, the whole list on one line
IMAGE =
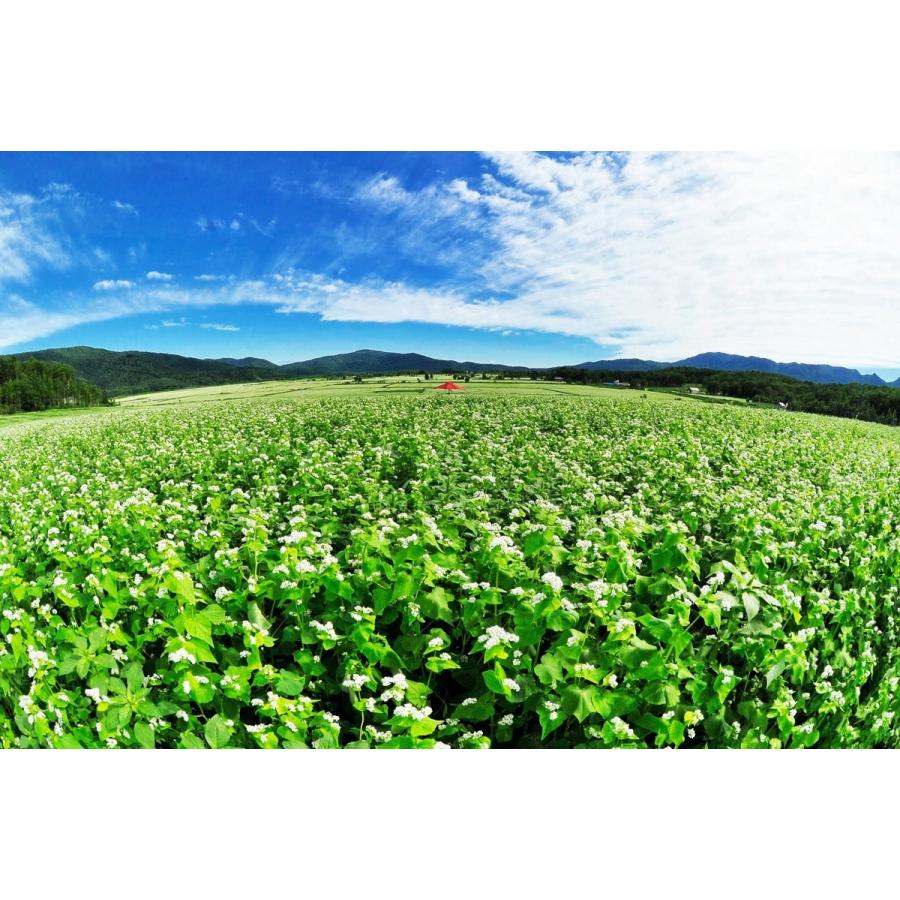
[(136, 371), (380, 362), (729, 362), (820, 374), (622, 365), (248, 362)]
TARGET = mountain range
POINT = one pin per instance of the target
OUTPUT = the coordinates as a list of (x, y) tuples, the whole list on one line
[(137, 371), (727, 362)]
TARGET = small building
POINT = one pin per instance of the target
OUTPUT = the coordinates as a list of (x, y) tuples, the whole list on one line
[(694, 390), (558, 378), (616, 384), (448, 386)]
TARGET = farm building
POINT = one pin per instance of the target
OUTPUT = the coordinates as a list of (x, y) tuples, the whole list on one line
[(616, 383)]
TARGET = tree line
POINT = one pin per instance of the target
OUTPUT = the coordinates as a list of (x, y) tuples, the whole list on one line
[(30, 385), (851, 401)]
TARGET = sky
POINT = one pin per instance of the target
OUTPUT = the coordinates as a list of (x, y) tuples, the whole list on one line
[(522, 258)]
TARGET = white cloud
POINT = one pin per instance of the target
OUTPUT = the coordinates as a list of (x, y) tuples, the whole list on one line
[(124, 207), (159, 276), (784, 255), (109, 284), (216, 326), (29, 322), (60, 191), (425, 207), (388, 190), (21, 320), (26, 243), (209, 277)]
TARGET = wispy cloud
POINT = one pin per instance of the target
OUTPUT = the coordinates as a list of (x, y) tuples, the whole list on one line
[(209, 224), (237, 224), (26, 240), (137, 252), (218, 326), (60, 190), (124, 207), (113, 284), (159, 276), (664, 255)]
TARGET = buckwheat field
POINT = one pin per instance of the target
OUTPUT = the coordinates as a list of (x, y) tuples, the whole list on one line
[(459, 572)]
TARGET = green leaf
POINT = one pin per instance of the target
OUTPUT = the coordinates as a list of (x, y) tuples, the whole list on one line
[(436, 605), (404, 587), (550, 720), (327, 741), (436, 664), (290, 683), (254, 614), (134, 677), (144, 735), (422, 727), (381, 600), (198, 628), (97, 639), (214, 614), (69, 664), (549, 670), (751, 605), (190, 741), (479, 711), (580, 702), (533, 543), (217, 732), (493, 678), (775, 671)]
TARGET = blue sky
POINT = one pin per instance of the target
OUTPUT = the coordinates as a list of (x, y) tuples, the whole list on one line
[(529, 258)]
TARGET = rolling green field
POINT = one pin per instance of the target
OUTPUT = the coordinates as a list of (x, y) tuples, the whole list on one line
[(333, 564), (311, 389)]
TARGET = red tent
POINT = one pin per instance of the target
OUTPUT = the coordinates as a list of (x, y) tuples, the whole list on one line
[(448, 386)]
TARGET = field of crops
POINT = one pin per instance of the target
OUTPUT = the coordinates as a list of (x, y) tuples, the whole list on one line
[(465, 571)]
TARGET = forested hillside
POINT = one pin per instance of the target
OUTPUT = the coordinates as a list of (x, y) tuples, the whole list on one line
[(32, 385), (137, 372)]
